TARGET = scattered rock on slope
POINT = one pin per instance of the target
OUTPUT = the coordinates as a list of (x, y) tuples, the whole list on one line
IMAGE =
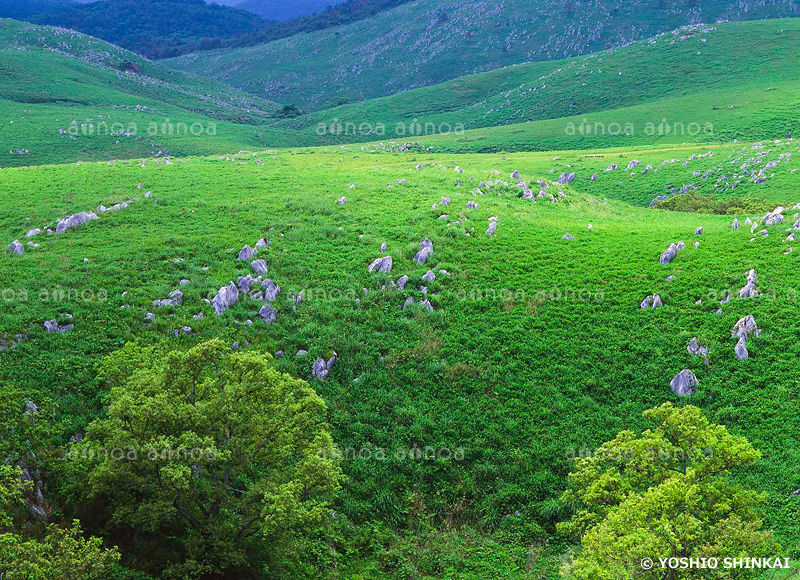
[(321, 367), (684, 383), (383, 264), (425, 251), (225, 298), (74, 221)]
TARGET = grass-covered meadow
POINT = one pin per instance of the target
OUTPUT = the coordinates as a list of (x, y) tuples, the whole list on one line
[(537, 349)]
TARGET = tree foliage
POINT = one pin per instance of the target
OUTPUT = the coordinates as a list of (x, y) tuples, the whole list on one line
[(215, 450), (661, 494)]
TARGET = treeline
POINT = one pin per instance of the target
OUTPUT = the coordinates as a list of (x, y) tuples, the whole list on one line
[(156, 28)]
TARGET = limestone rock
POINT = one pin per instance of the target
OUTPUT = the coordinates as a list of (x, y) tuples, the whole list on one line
[(259, 266), (322, 367), (225, 298), (745, 326), (425, 251), (741, 348), (175, 299), (246, 254), (269, 315), (74, 221), (684, 383), (383, 264)]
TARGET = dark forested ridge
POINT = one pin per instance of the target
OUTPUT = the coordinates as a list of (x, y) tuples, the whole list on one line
[(156, 28), (167, 28), (282, 10), (27, 8)]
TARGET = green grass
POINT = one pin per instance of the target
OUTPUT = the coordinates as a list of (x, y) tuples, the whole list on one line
[(558, 358)]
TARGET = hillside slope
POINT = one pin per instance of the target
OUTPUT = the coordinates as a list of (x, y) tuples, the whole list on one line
[(537, 349), (67, 96), (427, 41), (688, 61), (155, 28), (284, 9)]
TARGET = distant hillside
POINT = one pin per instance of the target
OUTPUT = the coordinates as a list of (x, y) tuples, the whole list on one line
[(285, 9), (428, 41), (713, 64), (156, 28), (65, 96), (27, 8)]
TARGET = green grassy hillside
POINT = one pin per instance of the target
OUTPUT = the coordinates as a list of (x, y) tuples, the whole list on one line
[(425, 42), (701, 74), (65, 96), (620, 98), (536, 350)]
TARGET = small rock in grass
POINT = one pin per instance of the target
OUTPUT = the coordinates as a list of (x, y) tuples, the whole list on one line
[(15, 247), (684, 383), (383, 264), (668, 255), (74, 221), (425, 251), (271, 291), (246, 254), (745, 326), (741, 348), (175, 299), (696, 349), (269, 315), (225, 298), (259, 266), (322, 367), (54, 326)]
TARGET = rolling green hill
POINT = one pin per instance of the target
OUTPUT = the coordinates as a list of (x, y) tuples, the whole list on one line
[(65, 96), (425, 42), (701, 74), (692, 85)]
